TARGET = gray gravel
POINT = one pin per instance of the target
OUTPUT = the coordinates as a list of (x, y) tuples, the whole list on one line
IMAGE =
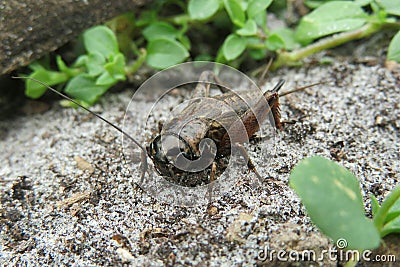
[(354, 119)]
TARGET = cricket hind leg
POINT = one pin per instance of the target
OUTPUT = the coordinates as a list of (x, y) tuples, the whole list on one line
[(250, 164), (223, 88), (213, 173), (203, 86)]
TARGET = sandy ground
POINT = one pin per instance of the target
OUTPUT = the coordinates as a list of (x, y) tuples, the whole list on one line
[(68, 196)]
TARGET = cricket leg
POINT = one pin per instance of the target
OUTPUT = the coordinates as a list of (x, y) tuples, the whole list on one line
[(250, 164), (203, 86), (223, 88), (205, 80), (212, 179)]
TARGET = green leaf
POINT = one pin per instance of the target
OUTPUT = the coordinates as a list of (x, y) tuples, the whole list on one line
[(313, 4), (392, 216), (220, 58), (185, 41), (332, 197), (35, 65), (81, 61), (392, 222), (394, 211), (390, 6), (257, 54), (363, 2), (257, 6), (102, 40), (105, 79), (115, 71), (84, 88), (68, 104), (235, 12), (202, 9), (396, 205), (146, 17), (233, 46), (261, 21), (374, 205), (35, 90), (324, 20), (392, 227), (387, 219), (116, 67), (163, 53), (42, 63), (95, 64), (274, 42), (394, 48), (288, 38), (64, 68), (250, 28), (160, 30)]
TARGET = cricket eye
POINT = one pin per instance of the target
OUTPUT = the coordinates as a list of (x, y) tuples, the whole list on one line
[(154, 150)]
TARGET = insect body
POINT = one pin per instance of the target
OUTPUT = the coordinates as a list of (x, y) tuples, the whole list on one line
[(197, 141)]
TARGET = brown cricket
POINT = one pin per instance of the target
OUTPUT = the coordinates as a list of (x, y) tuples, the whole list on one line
[(179, 152)]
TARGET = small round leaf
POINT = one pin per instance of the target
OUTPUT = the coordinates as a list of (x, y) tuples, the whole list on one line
[(332, 197), (84, 88), (233, 46), (394, 48), (235, 12), (257, 6), (249, 29), (160, 30), (390, 6), (274, 42), (202, 9), (102, 40), (324, 21), (163, 53), (35, 90)]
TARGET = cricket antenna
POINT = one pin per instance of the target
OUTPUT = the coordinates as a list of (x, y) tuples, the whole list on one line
[(144, 165), (278, 86), (261, 80), (299, 89)]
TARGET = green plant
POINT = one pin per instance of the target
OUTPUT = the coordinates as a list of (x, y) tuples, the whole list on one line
[(91, 74), (352, 22), (332, 197), (227, 31)]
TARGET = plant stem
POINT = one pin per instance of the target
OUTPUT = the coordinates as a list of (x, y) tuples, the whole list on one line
[(139, 61), (287, 58), (380, 217), (257, 46)]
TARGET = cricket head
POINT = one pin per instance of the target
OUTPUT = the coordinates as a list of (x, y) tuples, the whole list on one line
[(166, 150), (172, 155)]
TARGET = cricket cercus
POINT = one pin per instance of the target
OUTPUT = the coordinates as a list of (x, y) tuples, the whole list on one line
[(193, 147)]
